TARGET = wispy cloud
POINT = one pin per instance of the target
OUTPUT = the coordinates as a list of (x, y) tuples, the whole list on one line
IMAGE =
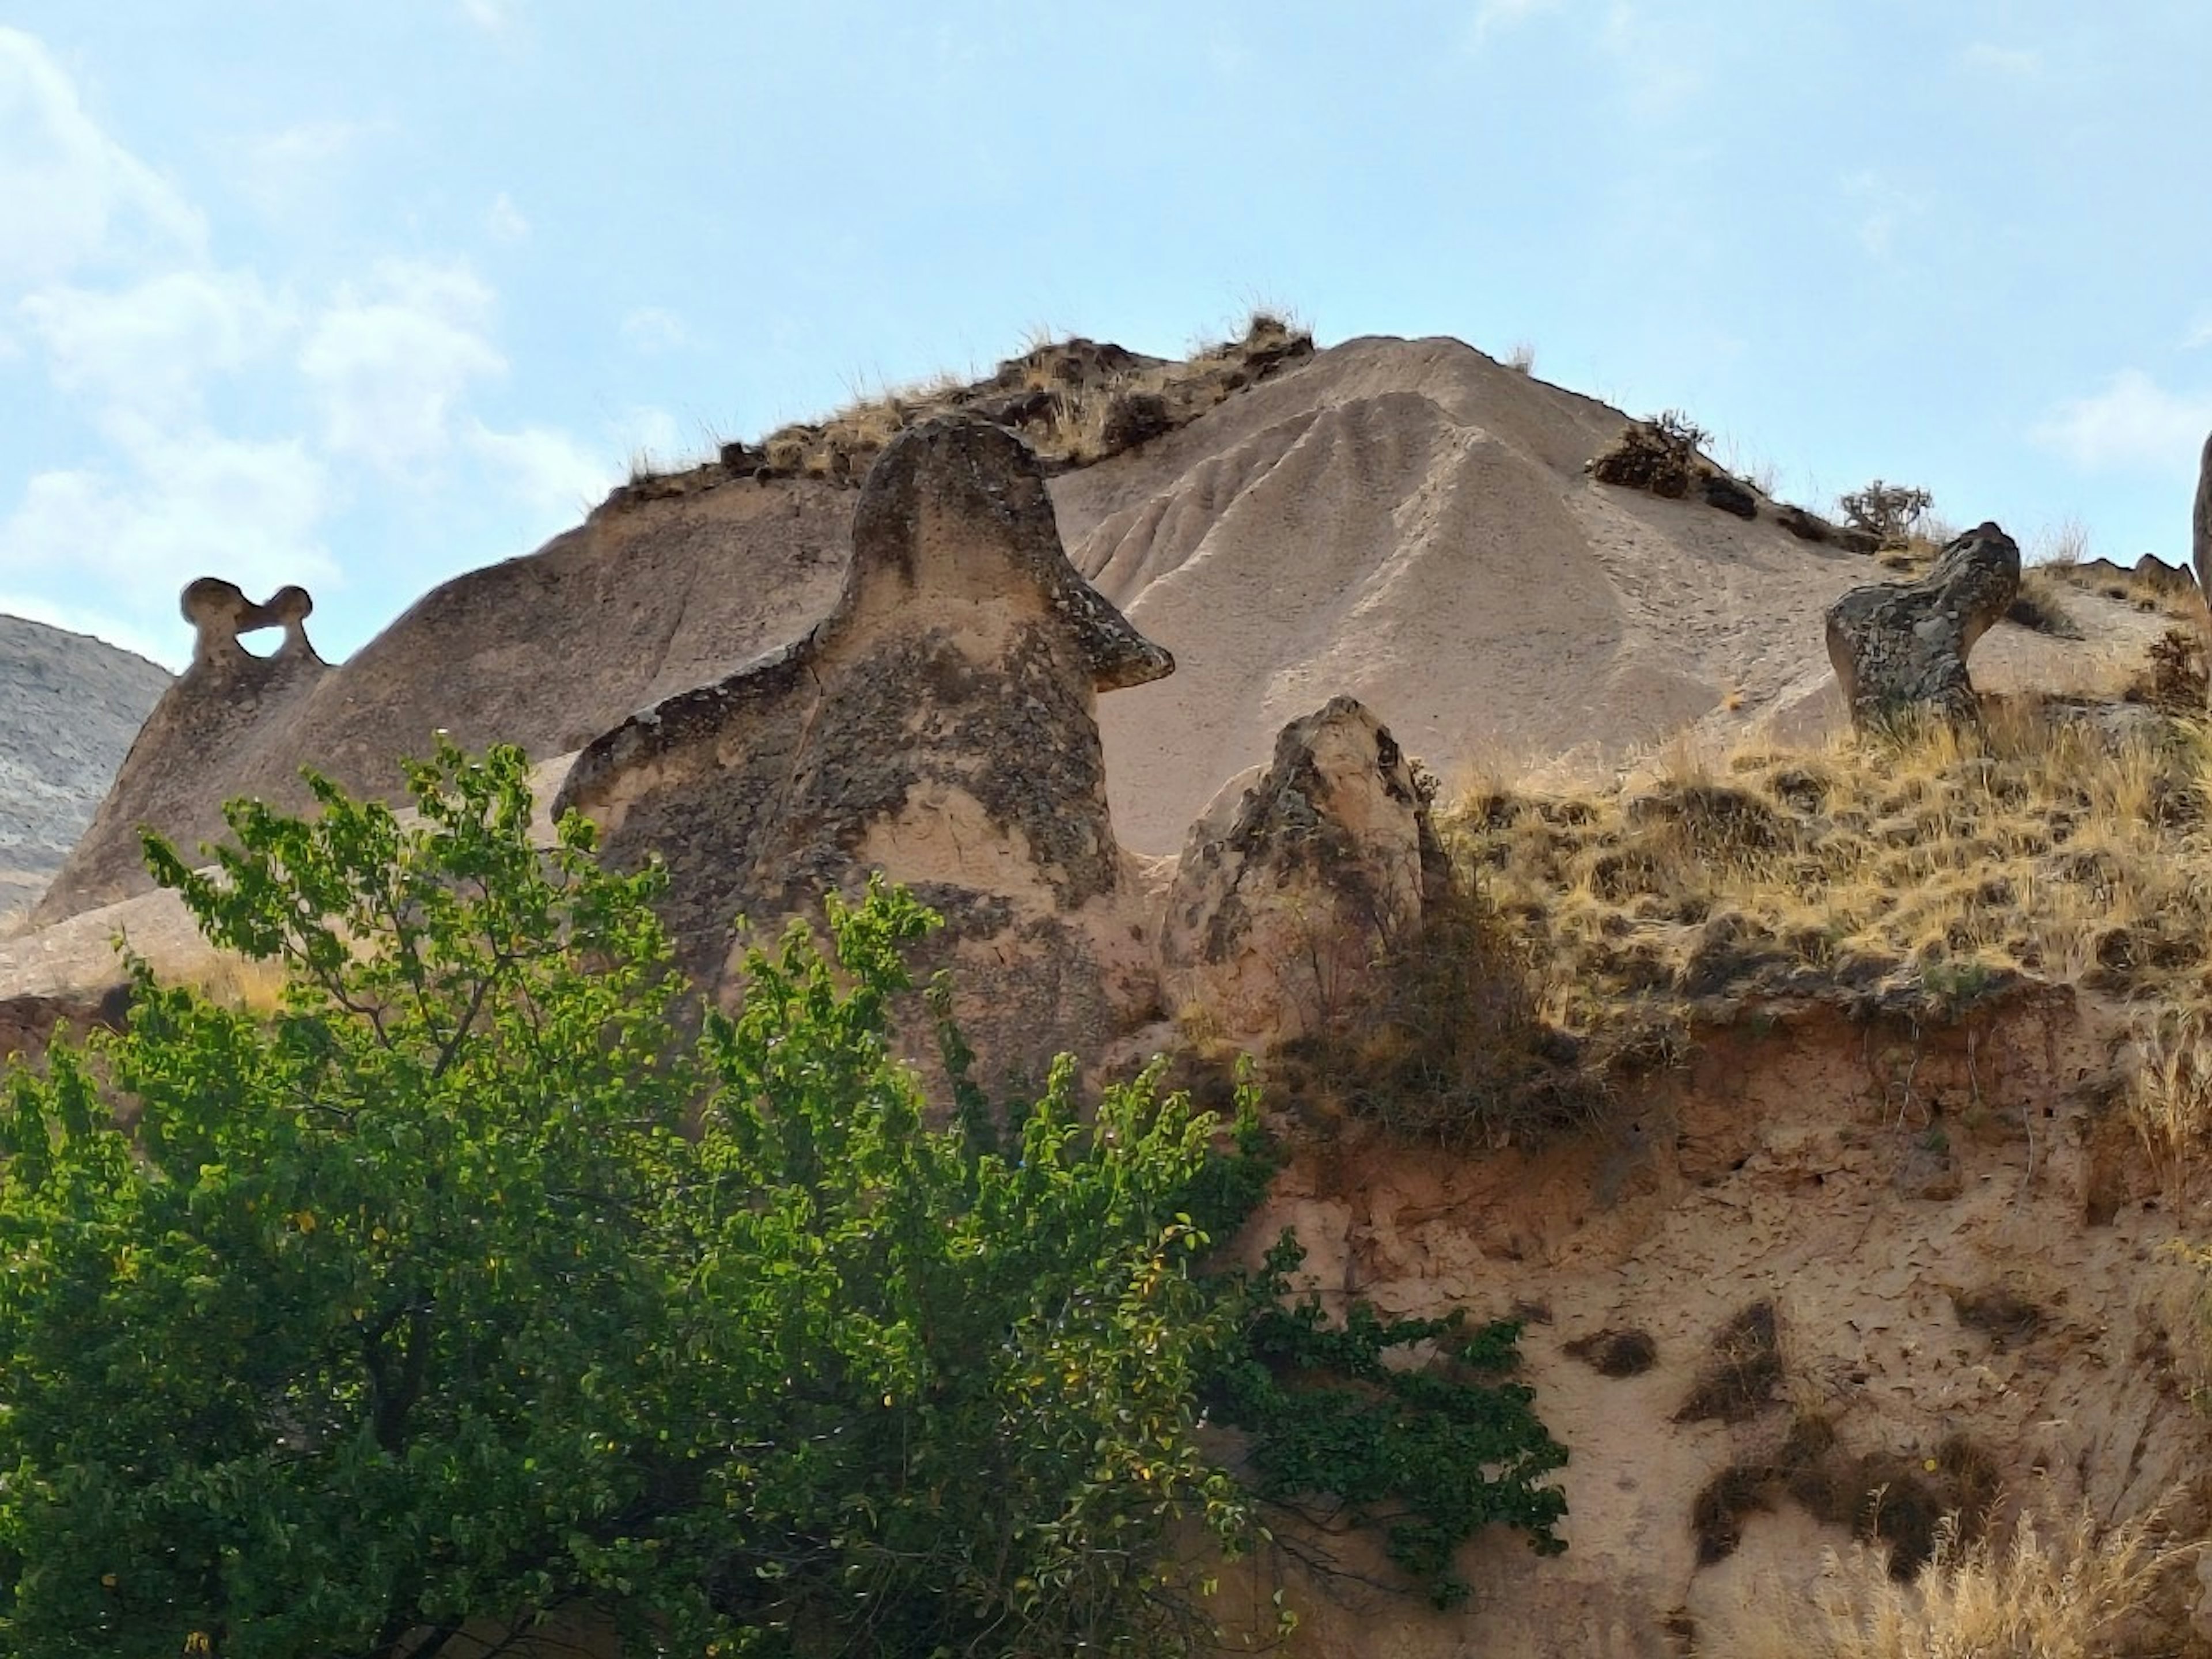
[(1660, 62), (390, 362), (1492, 15), (504, 220), (2006, 63), (148, 348), (551, 474), (70, 195), (2133, 424), (180, 505), (1882, 209), (279, 170), (650, 328), (493, 16)]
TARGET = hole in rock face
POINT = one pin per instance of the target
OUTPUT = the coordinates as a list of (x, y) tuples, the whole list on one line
[(261, 642)]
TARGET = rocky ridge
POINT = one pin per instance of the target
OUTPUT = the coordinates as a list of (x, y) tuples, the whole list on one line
[(69, 706)]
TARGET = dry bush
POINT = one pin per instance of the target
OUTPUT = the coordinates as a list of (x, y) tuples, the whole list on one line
[(1610, 1352), (1660, 455), (2072, 1590), (1522, 357), (1890, 513), (1920, 871), (2173, 675), (238, 982), (2065, 543), (1740, 1375), (2169, 1097), (1452, 1047), (2039, 607)]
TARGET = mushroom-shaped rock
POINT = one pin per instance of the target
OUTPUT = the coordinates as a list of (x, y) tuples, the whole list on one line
[(225, 710), (939, 726), (288, 608), (1901, 648), (219, 612), (1296, 880), (2200, 522)]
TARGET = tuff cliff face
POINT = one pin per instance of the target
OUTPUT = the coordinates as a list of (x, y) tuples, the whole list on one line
[(1406, 522), (68, 708), (938, 726), (1830, 1277), (1821, 1251)]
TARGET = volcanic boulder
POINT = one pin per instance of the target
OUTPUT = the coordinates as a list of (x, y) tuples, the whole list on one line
[(1901, 648)]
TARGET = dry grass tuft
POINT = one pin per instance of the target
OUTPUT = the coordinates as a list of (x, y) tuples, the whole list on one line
[(1077, 401), (2173, 677), (240, 983), (2169, 1099), (2039, 607), (1611, 1353), (1740, 1375), (2066, 1591), (1917, 872)]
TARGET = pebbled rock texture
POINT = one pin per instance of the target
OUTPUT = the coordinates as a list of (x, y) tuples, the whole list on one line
[(1901, 648)]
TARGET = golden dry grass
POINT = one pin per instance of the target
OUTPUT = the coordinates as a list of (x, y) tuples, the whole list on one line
[(2169, 1099), (2068, 1590), (238, 982), (1926, 868)]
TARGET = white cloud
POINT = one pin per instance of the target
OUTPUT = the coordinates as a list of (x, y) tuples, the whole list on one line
[(69, 195), (148, 347), (652, 329), (389, 364), (2008, 63), (190, 504), (493, 16), (548, 472), (1490, 15), (1883, 210), (2133, 423), (279, 170), (505, 222), (1661, 61)]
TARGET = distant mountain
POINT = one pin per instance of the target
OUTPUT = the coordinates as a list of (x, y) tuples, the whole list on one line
[(69, 706)]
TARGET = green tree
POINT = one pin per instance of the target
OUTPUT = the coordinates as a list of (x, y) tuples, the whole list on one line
[(469, 1289)]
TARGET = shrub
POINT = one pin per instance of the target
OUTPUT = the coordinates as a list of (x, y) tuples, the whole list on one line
[(1660, 455), (2054, 1591), (465, 1294), (1887, 511)]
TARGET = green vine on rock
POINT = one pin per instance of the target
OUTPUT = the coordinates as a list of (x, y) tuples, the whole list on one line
[(1430, 1456)]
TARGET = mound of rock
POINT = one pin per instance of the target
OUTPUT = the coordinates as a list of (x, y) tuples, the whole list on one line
[(938, 726), (1295, 882), (68, 707), (1901, 648)]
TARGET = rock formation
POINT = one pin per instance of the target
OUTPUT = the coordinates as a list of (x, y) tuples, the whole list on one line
[(939, 726), (1901, 648), (1406, 521), (209, 723), (68, 707), (2200, 522), (1296, 880)]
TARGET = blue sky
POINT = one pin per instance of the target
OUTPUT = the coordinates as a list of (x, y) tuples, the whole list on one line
[(361, 296)]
